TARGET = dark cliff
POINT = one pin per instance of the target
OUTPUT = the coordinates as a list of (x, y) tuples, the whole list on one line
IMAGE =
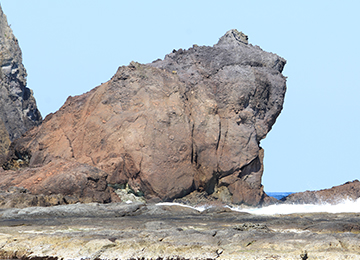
[(18, 111)]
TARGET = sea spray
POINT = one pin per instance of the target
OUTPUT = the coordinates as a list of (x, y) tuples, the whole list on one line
[(346, 206)]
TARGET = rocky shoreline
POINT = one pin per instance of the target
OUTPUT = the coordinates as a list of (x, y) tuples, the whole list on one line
[(157, 231), (83, 182)]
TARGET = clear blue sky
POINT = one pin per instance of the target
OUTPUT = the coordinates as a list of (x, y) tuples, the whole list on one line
[(71, 46)]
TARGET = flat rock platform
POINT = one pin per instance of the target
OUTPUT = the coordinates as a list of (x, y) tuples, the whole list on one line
[(160, 231)]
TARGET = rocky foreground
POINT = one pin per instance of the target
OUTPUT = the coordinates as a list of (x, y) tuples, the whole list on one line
[(149, 231)]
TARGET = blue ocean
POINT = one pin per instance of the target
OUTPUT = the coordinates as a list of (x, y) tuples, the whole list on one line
[(278, 195)]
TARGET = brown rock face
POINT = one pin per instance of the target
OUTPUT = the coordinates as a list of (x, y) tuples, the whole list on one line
[(192, 121), (334, 195), (79, 182)]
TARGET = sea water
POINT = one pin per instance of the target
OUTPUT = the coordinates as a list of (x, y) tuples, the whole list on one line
[(278, 195)]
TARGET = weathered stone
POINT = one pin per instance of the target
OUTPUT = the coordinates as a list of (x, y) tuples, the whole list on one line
[(18, 111), (334, 195), (4, 141), (190, 122), (139, 231), (23, 200), (82, 182), (234, 93), (74, 211)]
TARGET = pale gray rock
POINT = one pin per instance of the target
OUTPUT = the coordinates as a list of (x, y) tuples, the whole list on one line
[(120, 231), (73, 210)]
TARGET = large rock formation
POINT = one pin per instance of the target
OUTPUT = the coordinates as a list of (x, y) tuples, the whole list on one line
[(190, 122), (18, 111)]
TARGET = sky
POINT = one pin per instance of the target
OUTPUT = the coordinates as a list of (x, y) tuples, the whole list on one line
[(70, 47)]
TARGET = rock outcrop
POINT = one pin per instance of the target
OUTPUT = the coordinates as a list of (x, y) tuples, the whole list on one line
[(18, 111), (138, 231), (334, 195), (75, 181), (190, 122)]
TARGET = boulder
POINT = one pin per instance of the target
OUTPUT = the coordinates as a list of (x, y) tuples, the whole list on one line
[(76, 182), (334, 195), (190, 122), (18, 111)]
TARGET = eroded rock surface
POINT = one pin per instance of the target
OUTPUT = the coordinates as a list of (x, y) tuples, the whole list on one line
[(18, 111), (74, 181), (334, 195), (148, 231), (190, 122)]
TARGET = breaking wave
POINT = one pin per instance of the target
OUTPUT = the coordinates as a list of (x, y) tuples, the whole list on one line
[(346, 206)]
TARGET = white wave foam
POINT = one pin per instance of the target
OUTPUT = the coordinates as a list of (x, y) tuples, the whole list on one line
[(347, 206), (198, 208)]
